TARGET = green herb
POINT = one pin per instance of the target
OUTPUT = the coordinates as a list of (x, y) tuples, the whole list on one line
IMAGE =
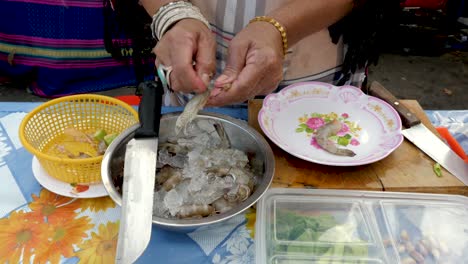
[(338, 240), (438, 170)]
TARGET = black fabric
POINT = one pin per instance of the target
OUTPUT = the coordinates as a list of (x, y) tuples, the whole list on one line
[(364, 32), (127, 36)]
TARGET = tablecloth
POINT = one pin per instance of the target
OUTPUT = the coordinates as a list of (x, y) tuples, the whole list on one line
[(38, 226)]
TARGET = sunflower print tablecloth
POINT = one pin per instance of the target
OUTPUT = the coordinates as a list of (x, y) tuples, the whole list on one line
[(38, 226)]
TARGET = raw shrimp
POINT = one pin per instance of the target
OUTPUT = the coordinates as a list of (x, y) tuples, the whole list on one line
[(225, 142), (172, 182), (326, 131), (195, 210), (166, 173), (238, 194), (191, 110), (222, 205)]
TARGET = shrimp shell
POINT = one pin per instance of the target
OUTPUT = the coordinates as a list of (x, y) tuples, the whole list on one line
[(328, 130), (191, 110)]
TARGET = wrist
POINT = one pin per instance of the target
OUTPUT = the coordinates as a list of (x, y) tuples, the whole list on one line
[(278, 28), (173, 12)]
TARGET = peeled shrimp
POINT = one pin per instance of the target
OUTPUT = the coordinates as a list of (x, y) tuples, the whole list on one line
[(326, 131)]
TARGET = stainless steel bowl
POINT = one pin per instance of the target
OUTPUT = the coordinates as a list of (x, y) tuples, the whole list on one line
[(242, 137)]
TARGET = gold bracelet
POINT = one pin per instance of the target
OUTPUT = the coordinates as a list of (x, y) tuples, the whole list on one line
[(278, 26)]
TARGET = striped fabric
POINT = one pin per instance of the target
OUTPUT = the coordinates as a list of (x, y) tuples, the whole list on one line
[(59, 46), (315, 58)]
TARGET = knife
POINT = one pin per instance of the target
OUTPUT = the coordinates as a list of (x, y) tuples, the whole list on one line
[(422, 137), (139, 178)]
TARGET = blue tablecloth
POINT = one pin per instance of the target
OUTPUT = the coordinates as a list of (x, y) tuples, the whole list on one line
[(20, 193)]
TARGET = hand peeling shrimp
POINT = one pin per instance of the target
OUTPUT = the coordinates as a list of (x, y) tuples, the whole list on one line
[(195, 210), (326, 131)]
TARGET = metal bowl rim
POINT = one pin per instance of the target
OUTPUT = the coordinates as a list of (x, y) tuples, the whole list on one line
[(188, 223)]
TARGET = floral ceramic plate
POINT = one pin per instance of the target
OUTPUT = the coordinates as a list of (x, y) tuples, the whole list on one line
[(370, 127), (63, 188)]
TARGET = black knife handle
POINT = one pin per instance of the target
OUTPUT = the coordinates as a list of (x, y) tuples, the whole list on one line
[(408, 118), (149, 111)]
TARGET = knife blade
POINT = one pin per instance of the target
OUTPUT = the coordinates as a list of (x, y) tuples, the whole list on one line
[(139, 178), (421, 136)]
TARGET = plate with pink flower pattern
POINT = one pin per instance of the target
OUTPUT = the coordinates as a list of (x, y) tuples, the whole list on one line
[(292, 118)]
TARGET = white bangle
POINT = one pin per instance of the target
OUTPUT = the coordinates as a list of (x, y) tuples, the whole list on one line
[(161, 14), (173, 12), (189, 13)]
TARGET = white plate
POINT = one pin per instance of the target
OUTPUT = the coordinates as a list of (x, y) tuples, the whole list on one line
[(290, 119), (63, 188)]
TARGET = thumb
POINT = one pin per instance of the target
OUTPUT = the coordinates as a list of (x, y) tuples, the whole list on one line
[(234, 65)]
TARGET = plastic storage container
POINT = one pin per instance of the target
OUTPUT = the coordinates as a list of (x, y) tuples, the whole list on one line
[(299, 226)]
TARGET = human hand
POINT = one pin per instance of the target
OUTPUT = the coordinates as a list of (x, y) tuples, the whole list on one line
[(254, 65), (188, 41)]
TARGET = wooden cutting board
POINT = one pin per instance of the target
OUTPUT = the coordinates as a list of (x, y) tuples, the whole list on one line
[(407, 169)]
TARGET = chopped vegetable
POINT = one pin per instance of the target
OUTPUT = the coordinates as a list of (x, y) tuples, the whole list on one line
[(109, 138), (99, 135), (438, 170), (331, 240), (77, 144)]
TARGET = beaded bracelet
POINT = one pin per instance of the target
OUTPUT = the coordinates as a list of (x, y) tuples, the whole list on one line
[(278, 26)]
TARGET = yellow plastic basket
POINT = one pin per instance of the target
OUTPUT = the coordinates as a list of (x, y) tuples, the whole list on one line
[(83, 112)]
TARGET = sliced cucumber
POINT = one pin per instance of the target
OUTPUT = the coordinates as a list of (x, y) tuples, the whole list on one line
[(109, 138), (99, 135)]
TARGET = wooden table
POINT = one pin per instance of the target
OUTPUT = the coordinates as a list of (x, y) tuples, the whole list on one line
[(407, 169)]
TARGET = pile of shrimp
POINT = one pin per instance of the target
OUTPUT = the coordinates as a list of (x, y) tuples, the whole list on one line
[(199, 174)]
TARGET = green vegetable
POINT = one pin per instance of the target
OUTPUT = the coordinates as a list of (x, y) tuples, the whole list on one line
[(332, 241), (99, 135), (109, 138), (343, 141), (437, 170)]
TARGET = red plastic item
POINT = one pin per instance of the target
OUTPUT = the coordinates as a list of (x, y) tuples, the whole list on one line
[(428, 4), (129, 99), (453, 143)]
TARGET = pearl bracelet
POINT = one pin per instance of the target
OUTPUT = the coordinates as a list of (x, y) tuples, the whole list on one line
[(173, 12)]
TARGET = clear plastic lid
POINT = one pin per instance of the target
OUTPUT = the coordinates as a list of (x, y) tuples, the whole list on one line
[(302, 226)]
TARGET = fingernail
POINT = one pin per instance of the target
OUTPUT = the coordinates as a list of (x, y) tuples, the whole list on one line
[(206, 79)]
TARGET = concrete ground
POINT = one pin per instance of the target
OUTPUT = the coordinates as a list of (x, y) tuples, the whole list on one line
[(438, 83)]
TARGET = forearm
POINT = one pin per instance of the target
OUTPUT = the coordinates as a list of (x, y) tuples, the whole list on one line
[(152, 6), (302, 18)]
